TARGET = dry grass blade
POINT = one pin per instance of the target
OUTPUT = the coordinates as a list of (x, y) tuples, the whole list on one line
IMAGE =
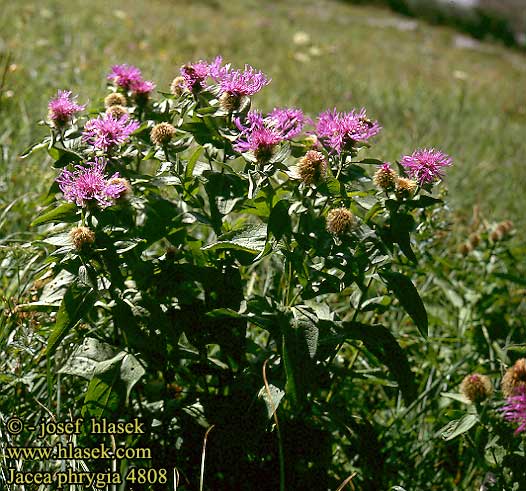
[(203, 456), (347, 481)]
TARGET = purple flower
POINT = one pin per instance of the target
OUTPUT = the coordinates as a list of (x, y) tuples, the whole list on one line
[(257, 140), (253, 120), (88, 184), (255, 136), (125, 76), (239, 82), (425, 166), (288, 121), (143, 87), (515, 410), (339, 131), (195, 74), (63, 107), (107, 131)]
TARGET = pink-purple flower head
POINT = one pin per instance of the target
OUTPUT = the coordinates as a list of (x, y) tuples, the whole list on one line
[(239, 83), (258, 139), (106, 131), (143, 88), (129, 77), (515, 410), (87, 185), (341, 131), (125, 76), (63, 107), (256, 136), (288, 121), (426, 165), (196, 74)]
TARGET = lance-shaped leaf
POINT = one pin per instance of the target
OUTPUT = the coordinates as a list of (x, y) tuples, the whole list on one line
[(458, 426), (66, 212), (251, 238), (77, 301), (380, 342), (408, 296)]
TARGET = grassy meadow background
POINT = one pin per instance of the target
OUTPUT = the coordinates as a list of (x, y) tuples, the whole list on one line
[(428, 86)]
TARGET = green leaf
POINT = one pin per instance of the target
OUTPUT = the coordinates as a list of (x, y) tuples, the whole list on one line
[(188, 172), (401, 227), (370, 162), (66, 212), (408, 296), (35, 147), (458, 426), (279, 220), (423, 201), (106, 390), (251, 238), (77, 301), (111, 380), (456, 397), (272, 402), (514, 279), (85, 358), (63, 156), (382, 344)]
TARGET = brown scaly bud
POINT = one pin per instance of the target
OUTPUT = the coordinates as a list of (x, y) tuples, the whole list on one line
[(340, 221), (514, 379), (465, 248), (117, 111), (385, 177), (496, 235), (162, 133), (504, 228), (474, 240), (82, 238), (230, 102), (404, 187), (177, 87), (312, 167), (475, 387), (114, 99)]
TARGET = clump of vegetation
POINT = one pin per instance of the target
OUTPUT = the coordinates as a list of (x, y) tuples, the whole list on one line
[(265, 299)]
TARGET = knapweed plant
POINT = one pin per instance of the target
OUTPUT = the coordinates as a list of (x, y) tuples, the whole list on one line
[(215, 269)]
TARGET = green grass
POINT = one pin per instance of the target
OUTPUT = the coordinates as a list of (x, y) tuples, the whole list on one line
[(425, 92)]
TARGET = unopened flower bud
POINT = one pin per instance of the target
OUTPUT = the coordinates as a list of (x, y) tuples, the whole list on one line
[(475, 387), (312, 167), (496, 235), (404, 187), (162, 133), (514, 379), (82, 237), (504, 228), (474, 240), (114, 99), (465, 248), (117, 111), (340, 221), (177, 87), (384, 177)]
